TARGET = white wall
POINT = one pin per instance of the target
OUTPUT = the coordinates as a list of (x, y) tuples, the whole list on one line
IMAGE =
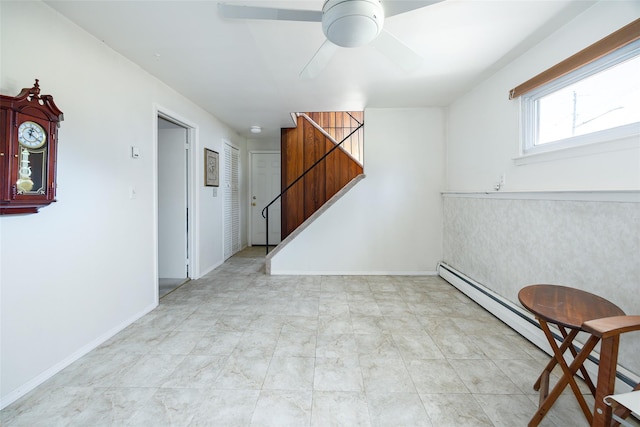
[(263, 144), (390, 222), (85, 267), (483, 135)]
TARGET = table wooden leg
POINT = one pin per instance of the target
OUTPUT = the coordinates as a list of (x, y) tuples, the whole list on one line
[(567, 378), (583, 370), (606, 380), (553, 362), (568, 373), (543, 386)]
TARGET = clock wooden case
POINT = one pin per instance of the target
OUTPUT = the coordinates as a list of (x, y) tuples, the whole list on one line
[(28, 146)]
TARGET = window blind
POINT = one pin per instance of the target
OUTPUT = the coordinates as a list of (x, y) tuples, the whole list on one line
[(625, 35)]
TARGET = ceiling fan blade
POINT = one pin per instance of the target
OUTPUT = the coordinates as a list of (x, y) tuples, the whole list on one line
[(232, 11), (319, 60), (396, 7), (398, 52)]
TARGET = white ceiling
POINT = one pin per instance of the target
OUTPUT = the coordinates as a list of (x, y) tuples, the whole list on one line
[(247, 72)]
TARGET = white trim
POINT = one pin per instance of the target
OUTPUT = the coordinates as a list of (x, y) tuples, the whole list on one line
[(518, 319), (352, 273), (73, 357), (210, 269), (605, 141), (625, 138), (599, 139), (622, 196)]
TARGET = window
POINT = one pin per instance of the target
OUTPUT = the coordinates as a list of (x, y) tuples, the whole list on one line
[(597, 102), (592, 96)]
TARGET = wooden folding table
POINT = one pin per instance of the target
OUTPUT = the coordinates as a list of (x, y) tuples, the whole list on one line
[(567, 308)]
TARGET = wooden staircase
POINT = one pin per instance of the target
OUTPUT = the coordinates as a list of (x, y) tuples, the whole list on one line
[(304, 147)]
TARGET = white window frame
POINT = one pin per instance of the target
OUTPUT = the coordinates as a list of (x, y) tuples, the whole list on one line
[(529, 109)]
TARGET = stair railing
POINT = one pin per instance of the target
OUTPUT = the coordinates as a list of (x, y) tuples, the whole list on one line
[(265, 211)]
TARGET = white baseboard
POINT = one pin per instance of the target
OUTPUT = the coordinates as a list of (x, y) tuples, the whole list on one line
[(351, 273), (44, 376), (208, 270), (524, 322)]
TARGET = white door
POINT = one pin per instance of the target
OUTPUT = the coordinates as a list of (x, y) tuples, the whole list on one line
[(172, 201), (265, 186), (231, 188)]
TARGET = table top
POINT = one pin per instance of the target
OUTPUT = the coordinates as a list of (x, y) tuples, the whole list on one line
[(566, 306)]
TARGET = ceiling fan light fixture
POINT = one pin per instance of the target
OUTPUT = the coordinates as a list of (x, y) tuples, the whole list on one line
[(352, 23)]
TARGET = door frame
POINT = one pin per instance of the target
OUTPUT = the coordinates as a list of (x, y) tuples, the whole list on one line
[(192, 225), (250, 221)]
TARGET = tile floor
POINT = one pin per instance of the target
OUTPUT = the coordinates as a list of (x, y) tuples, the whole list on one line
[(166, 285), (239, 348)]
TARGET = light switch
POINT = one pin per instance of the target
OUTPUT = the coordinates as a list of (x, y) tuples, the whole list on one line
[(215, 192)]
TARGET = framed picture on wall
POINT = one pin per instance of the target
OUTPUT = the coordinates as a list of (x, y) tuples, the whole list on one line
[(211, 168)]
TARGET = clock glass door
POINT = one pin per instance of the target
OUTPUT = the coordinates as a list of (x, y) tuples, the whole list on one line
[(30, 161)]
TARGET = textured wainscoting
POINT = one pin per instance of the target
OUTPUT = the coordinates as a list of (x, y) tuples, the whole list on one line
[(588, 241)]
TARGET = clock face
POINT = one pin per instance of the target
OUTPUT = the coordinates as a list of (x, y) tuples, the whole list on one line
[(31, 135)]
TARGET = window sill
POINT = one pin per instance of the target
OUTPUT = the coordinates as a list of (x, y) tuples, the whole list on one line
[(628, 143)]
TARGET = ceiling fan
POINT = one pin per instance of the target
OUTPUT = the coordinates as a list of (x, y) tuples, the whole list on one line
[(345, 23)]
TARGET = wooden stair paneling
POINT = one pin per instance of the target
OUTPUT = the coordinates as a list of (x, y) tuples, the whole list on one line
[(303, 146), (314, 149), (292, 167), (339, 126)]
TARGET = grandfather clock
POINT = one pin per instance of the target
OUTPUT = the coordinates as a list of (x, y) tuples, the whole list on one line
[(28, 145)]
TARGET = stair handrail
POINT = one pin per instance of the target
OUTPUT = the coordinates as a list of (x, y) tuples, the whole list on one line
[(265, 211)]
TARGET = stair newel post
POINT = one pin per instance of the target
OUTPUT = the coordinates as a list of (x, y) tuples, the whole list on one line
[(266, 237)]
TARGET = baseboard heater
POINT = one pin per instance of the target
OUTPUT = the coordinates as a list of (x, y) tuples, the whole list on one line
[(523, 322)]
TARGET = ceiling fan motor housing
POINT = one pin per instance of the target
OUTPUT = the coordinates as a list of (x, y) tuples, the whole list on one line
[(352, 23)]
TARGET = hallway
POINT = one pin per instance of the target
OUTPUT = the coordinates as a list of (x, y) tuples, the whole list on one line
[(239, 348)]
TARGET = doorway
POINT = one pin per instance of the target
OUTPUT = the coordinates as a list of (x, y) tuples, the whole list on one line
[(173, 205), (265, 186)]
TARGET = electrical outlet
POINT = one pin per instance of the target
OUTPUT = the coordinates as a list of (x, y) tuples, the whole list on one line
[(501, 181)]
